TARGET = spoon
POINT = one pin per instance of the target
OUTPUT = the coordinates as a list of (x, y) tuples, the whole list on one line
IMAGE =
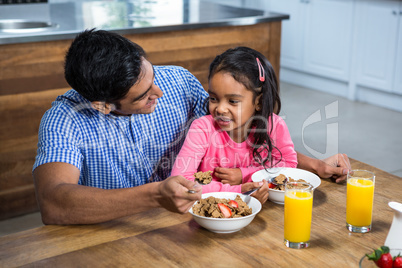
[(273, 181), (192, 191), (249, 192)]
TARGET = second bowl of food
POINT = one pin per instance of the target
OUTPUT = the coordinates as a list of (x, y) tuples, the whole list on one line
[(225, 212), (276, 195)]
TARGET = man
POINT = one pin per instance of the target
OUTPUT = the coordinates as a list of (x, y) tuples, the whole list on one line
[(120, 127)]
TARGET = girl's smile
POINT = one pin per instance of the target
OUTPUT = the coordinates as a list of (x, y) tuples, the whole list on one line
[(232, 105), (222, 120)]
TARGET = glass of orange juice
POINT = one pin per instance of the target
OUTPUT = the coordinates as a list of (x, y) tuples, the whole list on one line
[(298, 213), (359, 200)]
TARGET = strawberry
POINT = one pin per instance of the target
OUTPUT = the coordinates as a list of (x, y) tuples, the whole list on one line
[(271, 185), (397, 262), (227, 213), (233, 203), (381, 257), (385, 261)]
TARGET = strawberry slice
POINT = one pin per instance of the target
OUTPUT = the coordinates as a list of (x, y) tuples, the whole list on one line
[(233, 203), (227, 213), (271, 185)]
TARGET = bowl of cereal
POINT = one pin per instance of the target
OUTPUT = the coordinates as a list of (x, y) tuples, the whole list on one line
[(225, 212), (277, 177)]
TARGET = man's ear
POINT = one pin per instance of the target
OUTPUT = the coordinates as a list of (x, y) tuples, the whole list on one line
[(102, 106)]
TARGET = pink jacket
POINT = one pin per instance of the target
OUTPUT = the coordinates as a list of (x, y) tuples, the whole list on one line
[(207, 146)]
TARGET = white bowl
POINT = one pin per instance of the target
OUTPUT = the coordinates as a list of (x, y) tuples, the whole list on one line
[(278, 196), (230, 225)]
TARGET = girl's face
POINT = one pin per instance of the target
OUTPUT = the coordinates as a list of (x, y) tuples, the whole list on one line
[(231, 104)]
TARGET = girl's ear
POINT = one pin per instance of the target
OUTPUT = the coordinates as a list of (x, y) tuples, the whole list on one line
[(257, 102)]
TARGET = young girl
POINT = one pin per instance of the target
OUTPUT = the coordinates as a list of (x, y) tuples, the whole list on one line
[(241, 134)]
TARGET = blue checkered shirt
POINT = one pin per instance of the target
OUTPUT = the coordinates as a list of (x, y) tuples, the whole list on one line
[(122, 151)]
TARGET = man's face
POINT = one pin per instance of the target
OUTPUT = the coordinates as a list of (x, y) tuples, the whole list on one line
[(142, 96)]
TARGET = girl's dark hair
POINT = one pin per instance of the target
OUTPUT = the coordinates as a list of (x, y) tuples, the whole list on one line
[(103, 66), (241, 63)]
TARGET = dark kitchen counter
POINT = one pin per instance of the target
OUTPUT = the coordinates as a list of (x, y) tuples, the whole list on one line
[(130, 17)]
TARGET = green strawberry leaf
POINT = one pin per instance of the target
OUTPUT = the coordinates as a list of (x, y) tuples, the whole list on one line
[(375, 255), (385, 249)]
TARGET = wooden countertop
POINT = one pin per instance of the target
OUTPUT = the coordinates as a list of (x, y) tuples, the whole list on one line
[(160, 238)]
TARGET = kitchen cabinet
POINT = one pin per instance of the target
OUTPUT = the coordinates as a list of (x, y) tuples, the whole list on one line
[(349, 48), (292, 32), (398, 67), (317, 39), (379, 43)]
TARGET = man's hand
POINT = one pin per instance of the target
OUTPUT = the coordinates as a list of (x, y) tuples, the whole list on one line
[(261, 194), (174, 195), (336, 168), (233, 176)]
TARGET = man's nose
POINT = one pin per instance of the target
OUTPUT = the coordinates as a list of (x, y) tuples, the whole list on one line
[(156, 91)]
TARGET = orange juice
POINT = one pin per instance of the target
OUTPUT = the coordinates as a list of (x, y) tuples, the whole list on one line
[(359, 201), (298, 212)]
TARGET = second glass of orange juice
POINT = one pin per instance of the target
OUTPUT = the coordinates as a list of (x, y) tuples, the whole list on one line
[(298, 213), (359, 200)]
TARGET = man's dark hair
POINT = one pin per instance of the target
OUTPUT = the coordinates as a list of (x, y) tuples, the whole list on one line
[(103, 66)]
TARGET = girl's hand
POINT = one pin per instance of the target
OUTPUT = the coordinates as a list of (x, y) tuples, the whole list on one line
[(261, 194), (233, 176)]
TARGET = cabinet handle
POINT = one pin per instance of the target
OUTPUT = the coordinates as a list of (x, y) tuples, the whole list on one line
[(394, 12)]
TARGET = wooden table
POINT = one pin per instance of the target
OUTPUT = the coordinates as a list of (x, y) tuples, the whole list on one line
[(158, 238)]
